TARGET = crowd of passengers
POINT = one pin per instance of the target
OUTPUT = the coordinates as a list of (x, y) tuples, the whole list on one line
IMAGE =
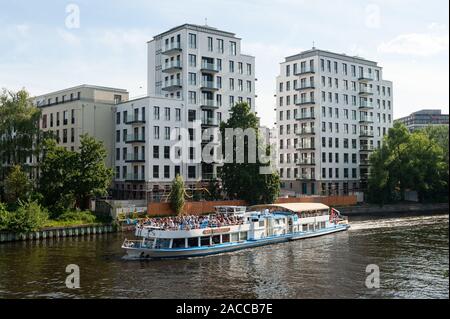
[(193, 222)]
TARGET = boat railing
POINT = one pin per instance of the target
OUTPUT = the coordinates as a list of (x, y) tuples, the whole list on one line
[(135, 244)]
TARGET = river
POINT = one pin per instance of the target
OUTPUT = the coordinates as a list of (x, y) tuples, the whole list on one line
[(412, 254)]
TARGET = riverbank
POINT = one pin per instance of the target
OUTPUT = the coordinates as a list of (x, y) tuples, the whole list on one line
[(56, 232), (386, 210)]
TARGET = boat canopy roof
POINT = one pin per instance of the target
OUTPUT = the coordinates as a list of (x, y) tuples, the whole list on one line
[(293, 207)]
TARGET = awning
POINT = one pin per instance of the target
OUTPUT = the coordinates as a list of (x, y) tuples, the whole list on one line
[(293, 207)]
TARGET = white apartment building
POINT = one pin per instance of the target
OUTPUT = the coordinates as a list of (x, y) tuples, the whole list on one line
[(72, 112), (195, 74), (332, 111)]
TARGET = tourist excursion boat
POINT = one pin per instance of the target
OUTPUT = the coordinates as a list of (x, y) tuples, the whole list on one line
[(232, 228)]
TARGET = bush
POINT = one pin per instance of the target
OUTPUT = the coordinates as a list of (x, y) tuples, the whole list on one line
[(85, 216), (28, 217), (4, 217)]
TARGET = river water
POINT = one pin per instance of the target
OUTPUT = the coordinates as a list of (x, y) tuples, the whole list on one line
[(412, 254)]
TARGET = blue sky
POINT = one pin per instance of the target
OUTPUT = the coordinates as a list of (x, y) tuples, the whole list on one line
[(409, 38)]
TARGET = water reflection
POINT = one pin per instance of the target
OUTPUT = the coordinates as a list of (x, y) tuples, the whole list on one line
[(412, 254)]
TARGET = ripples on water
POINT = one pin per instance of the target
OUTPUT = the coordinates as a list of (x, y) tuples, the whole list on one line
[(412, 253)]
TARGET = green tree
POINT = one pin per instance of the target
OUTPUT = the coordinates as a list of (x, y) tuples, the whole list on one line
[(17, 185), (177, 195), (4, 217), (244, 180), (93, 177), (19, 131), (69, 179), (214, 191), (407, 161)]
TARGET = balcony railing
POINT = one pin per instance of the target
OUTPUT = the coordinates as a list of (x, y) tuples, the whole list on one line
[(171, 66), (306, 101), (172, 85), (366, 119), (366, 105), (306, 116), (306, 161), (132, 119), (135, 138), (306, 131), (209, 67), (365, 91), (365, 76), (171, 48), (209, 176), (365, 147), (366, 133), (209, 121), (306, 86), (209, 85), (309, 177), (364, 162), (307, 146), (306, 70), (132, 157), (135, 178), (207, 103)]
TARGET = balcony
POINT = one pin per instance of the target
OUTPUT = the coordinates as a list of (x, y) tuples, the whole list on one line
[(171, 66), (172, 48), (366, 148), (366, 134), (366, 119), (209, 176), (209, 86), (209, 67), (306, 102), (306, 86), (305, 116), (306, 162), (307, 131), (208, 104), (364, 162), (135, 138), (307, 177), (306, 147), (134, 158), (209, 122), (365, 91), (304, 71), (365, 77), (365, 105), (172, 85), (135, 178), (132, 119)]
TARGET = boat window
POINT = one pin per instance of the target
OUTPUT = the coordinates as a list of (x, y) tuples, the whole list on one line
[(193, 242), (162, 243), (243, 235), (178, 243), (204, 241), (216, 239), (234, 237), (277, 221), (225, 238), (305, 227), (261, 223)]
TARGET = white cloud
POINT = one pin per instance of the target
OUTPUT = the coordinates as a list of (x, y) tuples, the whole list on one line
[(419, 44), (69, 37)]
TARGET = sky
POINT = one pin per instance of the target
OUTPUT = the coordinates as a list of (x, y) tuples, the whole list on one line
[(50, 45)]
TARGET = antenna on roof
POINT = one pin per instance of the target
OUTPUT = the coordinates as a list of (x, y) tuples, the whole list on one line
[(314, 47), (206, 21)]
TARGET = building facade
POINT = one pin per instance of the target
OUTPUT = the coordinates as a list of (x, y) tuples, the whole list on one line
[(195, 75), (332, 111), (424, 118), (72, 112)]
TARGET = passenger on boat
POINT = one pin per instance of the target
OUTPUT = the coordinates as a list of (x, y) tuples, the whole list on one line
[(192, 222)]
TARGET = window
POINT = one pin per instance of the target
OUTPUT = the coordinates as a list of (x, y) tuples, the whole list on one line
[(155, 151), (192, 78), (192, 60), (167, 152), (220, 45), (155, 171), (156, 112), (192, 96), (156, 132), (232, 48), (117, 136), (177, 115), (191, 115), (210, 44), (167, 113), (249, 69), (191, 172), (231, 66), (192, 41), (167, 133)]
